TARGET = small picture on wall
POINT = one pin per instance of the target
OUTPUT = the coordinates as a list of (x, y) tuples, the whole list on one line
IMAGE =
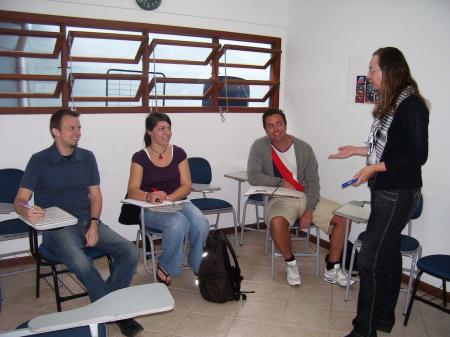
[(365, 92), (360, 89)]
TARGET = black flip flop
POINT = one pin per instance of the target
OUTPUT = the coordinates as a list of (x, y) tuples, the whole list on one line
[(166, 274)]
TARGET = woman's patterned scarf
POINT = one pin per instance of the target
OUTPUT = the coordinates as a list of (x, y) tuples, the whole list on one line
[(378, 133)]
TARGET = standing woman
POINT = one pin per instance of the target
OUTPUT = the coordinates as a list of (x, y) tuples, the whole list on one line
[(397, 149), (160, 172)]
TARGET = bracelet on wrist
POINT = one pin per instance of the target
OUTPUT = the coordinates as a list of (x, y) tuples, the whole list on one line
[(94, 219)]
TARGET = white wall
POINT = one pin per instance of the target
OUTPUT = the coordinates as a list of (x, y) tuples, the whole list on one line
[(323, 38), (114, 138), (320, 39)]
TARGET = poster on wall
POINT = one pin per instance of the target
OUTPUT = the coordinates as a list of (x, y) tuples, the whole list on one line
[(365, 92)]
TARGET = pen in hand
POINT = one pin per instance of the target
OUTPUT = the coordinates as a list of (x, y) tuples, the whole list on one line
[(36, 209), (35, 213), (156, 190)]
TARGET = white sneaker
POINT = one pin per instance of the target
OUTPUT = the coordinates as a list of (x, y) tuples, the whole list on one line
[(292, 274), (336, 275)]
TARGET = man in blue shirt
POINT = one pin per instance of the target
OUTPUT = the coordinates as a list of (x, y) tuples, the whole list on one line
[(67, 176)]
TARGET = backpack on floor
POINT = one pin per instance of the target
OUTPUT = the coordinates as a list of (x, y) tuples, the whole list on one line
[(218, 280)]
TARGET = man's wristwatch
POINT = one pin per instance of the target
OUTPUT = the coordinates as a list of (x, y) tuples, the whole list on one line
[(94, 219)]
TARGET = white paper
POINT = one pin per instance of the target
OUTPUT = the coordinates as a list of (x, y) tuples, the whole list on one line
[(146, 204), (354, 212), (54, 217), (272, 190), (6, 208)]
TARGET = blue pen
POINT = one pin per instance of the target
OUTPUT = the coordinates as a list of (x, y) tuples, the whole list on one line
[(350, 182)]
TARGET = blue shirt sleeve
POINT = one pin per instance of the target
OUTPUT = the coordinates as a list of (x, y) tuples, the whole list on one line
[(94, 173), (31, 174)]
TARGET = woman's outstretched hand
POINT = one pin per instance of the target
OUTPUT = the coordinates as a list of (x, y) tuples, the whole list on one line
[(343, 152), (348, 151)]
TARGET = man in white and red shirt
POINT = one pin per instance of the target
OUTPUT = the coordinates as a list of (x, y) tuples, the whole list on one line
[(279, 159)]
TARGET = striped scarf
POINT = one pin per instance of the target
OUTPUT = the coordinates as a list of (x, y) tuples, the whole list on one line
[(378, 133)]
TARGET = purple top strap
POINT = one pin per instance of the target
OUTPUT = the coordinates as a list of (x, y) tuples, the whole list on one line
[(166, 178)]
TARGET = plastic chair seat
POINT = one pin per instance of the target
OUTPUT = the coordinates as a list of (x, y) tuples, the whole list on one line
[(409, 247), (256, 198), (436, 265), (208, 204), (46, 258), (407, 243), (201, 173), (13, 228)]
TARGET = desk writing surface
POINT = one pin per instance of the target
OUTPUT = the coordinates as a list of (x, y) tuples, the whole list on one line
[(54, 217), (121, 304), (275, 191), (241, 176), (204, 188), (6, 208), (165, 206), (354, 212)]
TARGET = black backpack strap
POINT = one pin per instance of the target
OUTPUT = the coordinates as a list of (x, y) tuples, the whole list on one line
[(230, 249)]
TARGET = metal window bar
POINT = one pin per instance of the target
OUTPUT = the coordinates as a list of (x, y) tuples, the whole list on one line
[(122, 86)]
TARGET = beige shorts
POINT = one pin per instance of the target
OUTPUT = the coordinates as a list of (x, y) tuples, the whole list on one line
[(292, 208)]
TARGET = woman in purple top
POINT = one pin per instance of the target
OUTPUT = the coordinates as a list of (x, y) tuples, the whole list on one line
[(160, 172)]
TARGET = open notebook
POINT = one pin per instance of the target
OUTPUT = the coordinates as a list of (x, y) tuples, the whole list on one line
[(272, 190), (54, 217), (165, 206)]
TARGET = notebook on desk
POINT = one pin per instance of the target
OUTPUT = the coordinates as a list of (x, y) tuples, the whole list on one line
[(54, 217), (353, 211), (6, 208), (275, 191), (165, 206)]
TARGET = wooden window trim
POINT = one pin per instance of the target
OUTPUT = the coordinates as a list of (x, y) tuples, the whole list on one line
[(64, 87)]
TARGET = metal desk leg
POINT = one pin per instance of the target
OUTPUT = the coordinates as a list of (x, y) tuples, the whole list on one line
[(239, 204), (348, 222), (239, 220), (266, 243)]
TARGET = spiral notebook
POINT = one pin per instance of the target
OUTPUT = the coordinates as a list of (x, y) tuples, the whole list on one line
[(54, 217), (165, 207), (275, 191)]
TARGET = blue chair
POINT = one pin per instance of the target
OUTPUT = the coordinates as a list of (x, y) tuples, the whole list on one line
[(148, 237), (257, 201), (228, 92), (82, 331), (306, 252), (46, 258), (436, 266), (14, 228), (409, 247), (201, 175)]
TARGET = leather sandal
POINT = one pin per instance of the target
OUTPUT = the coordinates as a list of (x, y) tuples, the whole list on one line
[(159, 269)]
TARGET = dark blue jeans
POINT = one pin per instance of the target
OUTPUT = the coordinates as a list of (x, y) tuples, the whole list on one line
[(380, 261), (68, 243), (175, 226)]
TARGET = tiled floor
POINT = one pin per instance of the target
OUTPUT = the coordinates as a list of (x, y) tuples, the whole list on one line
[(316, 309)]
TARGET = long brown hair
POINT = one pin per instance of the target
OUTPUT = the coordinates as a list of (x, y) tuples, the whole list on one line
[(396, 77)]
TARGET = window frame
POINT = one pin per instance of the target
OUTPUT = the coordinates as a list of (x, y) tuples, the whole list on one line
[(65, 79)]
